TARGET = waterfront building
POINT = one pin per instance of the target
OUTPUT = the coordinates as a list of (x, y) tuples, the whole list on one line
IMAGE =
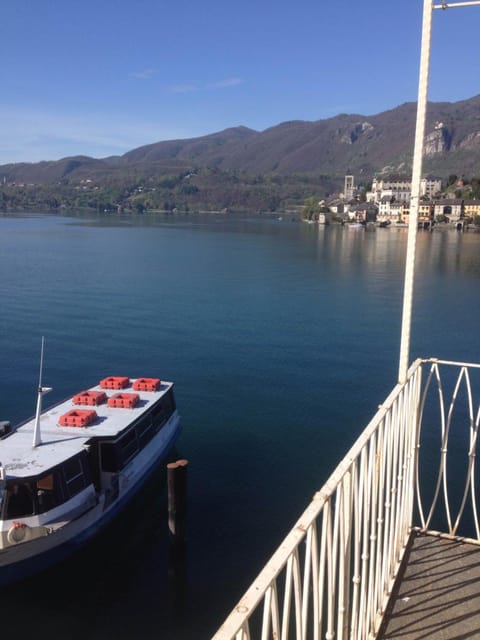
[(471, 208), (425, 211), (390, 209), (363, 212), (451, 209)]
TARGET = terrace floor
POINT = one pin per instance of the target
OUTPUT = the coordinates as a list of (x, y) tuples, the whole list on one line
[(437, 594)]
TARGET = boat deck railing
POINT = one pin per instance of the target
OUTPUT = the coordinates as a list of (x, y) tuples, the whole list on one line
[(411, 470)]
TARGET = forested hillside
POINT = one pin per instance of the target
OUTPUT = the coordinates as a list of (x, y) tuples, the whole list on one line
[(240, 168)]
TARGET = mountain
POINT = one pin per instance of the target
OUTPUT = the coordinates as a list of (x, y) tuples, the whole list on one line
[(322, 151), (205, 150)]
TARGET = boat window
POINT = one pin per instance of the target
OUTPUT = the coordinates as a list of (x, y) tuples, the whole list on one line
[(128, 446), (49, 492), (19, 500), (169, 399), (145, 431), (76, 475), (116, 455), (164, 409), (109, 457)]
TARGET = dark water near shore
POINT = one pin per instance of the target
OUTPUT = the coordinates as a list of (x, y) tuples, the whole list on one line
[(282, 339)]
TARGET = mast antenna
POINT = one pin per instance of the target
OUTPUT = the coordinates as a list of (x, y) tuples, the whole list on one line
[(37, 436)]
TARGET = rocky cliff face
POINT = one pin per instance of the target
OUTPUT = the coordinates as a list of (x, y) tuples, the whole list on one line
[(357, 130), (438, 141), (471, 141)]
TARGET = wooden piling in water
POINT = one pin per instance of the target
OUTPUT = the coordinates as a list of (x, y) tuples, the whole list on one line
[(177, 529), (177, 500)]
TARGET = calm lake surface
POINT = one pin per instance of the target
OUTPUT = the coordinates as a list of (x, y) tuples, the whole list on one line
[(282, 339)]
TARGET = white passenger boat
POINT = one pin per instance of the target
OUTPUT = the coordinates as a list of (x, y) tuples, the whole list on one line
[(68, 471)]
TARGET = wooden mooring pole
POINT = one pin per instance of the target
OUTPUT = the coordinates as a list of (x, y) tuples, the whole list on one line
[(177, 500), (177, 529)]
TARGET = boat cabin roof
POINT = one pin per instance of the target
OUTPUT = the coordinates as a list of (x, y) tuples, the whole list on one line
[(59, 443)]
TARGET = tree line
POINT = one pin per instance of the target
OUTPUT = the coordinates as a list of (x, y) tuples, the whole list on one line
[(206, 189)]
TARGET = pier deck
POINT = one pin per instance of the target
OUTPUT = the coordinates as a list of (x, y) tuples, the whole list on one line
[(438, 592)]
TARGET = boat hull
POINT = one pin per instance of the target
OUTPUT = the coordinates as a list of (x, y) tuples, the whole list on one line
[(28, 558)]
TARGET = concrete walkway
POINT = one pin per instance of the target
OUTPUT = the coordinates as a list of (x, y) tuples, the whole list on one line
[(438, 596)]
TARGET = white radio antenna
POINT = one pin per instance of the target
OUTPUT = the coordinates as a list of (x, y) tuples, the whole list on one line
[(37, 437)]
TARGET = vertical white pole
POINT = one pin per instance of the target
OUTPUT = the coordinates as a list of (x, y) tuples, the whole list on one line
[(415, 196), (37, 438)]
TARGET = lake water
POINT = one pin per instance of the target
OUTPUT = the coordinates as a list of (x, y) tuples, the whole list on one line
[(282, 339)]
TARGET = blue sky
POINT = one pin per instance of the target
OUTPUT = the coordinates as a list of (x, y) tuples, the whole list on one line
[(101, 78)]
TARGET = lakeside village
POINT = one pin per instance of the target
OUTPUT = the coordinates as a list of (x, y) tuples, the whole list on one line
[(388, 203)]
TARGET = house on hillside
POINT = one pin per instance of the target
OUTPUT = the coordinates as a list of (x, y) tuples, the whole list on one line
[(396, 188), (401, 189), (430, 187)]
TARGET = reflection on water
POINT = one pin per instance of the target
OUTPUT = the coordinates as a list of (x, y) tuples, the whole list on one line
[(282, 338)]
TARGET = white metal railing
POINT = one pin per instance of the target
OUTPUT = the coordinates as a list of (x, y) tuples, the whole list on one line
[(451, 504), (332, 575)]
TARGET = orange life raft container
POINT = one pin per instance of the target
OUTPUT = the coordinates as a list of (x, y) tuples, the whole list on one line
[(114, 382), (124, 400), (90, 398), (146, 384), (78, 418)]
